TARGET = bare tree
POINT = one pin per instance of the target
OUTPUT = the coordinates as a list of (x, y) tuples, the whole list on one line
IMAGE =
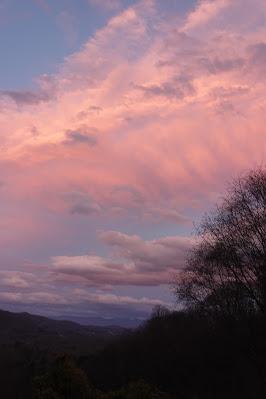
[(226, 271)]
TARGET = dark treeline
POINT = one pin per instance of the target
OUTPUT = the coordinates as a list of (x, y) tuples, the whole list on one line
[(187, 356), (174, 355), (214, 348)]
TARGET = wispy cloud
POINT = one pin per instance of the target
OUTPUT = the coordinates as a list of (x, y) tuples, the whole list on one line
[(69, 26), (205, 11), (25, 97)]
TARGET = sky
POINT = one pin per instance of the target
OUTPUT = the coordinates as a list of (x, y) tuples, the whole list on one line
[(121, 124)]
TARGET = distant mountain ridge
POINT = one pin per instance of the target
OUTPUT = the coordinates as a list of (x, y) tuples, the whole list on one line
[(55, 335)]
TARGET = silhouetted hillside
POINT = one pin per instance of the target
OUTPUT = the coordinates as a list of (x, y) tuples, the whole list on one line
[(30, 344), (54, 335), (14, 324)]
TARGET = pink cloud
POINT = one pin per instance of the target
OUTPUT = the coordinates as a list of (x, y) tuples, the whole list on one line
[(17, 280), (111, 299), (146, 122), (134, 262), (205, 11), (32, 298)]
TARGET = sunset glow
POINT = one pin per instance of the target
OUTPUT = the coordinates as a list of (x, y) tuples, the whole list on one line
[(121, 129)]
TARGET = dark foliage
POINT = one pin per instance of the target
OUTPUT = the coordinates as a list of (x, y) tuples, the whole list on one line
[(178, 355), (187, 356)]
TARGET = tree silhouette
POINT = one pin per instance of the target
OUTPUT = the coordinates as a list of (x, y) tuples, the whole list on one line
[(226, 271)]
